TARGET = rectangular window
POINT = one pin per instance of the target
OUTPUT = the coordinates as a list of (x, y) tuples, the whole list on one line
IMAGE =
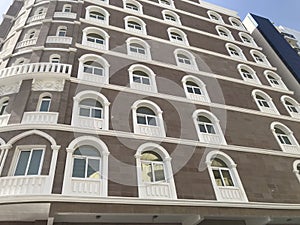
[(29, 162)]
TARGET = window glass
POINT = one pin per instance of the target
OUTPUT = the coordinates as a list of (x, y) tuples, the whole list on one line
[(29, 162)]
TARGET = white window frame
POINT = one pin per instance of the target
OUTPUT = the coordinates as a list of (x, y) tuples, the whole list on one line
[(103, 181), (137, 20), (233, 20), (295, 105), (166, 12), (238, 189), (211, 14), (100, 10), (221, 29), (138, 5), (163, 4), (67, 7), (4, 102), (91, 122), (59, 29), (179, 33), (214, 139), (28, 34), (239, 51), (260, 55), (150, 190), (98, 31), (54, 58), (271, 109), (204, 97), (41, 99), (146, 46), (296, 170), (145, 129), (40, 11), (92, 77), (150, 88), (248, 37), (294, 146), (277, 78), (193, 66), (252, 73)]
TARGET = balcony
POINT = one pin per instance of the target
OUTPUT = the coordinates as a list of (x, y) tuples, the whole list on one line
[(138, 55), (26, 43), (35, 68), (230, 194), (155, 191), (211, 138), (94, 45), (40, 118), (24, 185), (196, 97), (149, 130), (93, 78), (85, 187), (66, 15), (35, 18), (59, 40), (142, 87), (4, 120), (293, 149), (88, 122), (269, 110)]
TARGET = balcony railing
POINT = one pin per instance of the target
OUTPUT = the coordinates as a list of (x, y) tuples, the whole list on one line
[(35, 68), (85, 187), (94, 45), (233, 194), (149, 130), (24, 185), (40, 118), (67, 15), (4, 120), (59, 40), (294, 149), (93, 78), (142, 87), (26, 43), (197, 97), (88, 122), (211, 138), (36, 18), (156, 190), (269, 110)]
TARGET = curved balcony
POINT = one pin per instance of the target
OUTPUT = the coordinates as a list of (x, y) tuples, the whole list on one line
[(35, 18), (40, 118), (59, 40), (67, 15), (26, 43), (36, 68)]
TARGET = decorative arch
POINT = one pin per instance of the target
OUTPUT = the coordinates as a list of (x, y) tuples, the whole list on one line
[(97, 185), (209, 131), (44, 102), (259, 57), (167, 3), (96, 38), (291, 105), (196, 91), (236, 23), (264, 102), (224, 32), (177, 36), (141, 81), (235, 51), (97, 14), (137, 51), (223, 191), (138, 25), (247, 39), (164, 188), (90, 121), (214, 16), (171, 17), (55, 58), (185, 59), (248, 74), (134, 6), (274, 80)]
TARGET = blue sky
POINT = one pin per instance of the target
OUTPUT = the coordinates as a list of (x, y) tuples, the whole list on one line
[(284, 13)]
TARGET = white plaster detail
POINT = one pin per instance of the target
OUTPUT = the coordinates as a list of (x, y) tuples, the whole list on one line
[(48, 84)]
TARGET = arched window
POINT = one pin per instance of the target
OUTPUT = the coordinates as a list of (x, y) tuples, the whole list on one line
[(208, 127), (55, 58), (138, 48), (259, 58), (171, 17), (67, 8), (291, 105), (224, 32), (154, 172), (236, 23), (40, 11), (147, 119), (21, 61), (264, 102), (195, 89), (215, 16), (185, 59), (86, 165), (177, 36), (285, 138), (90, 110), (274, 80), (31, 34), (135, 25), (61, 31), (44, 102), (166, 3), (3, 106), (248, 74), (142, 78), (95, 38), (97, 14), (133, 6), (225, 178), (235, 51), (296, 169), (93, 68), (247, 39)]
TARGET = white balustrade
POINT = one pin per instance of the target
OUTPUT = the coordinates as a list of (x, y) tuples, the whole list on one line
[(59, 40), (138, 55), (85, 187), (149, 130), (93, 78), (142, 87), (211, 138), (269, 110), (197, 97), (291, 149), (135, 30), (24, 185), (95, 20), (94, 45), (156, 190), (26, 43), (34, 68), (68, 15), (40, 118), (295, 115), (230, 194), (88, 122), (4, 120), (36, 18)]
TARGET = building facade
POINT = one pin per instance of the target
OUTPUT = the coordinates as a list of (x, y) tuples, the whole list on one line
[(291, 36), (142, 111)]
